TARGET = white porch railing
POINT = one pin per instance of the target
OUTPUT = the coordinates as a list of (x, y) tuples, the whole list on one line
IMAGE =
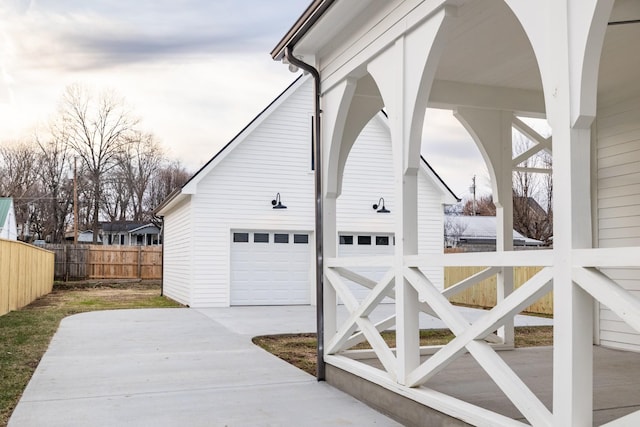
[(477, 338)]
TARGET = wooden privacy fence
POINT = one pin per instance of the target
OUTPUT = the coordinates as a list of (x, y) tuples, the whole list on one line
[(484, 294), (80, 262), (26, 273)]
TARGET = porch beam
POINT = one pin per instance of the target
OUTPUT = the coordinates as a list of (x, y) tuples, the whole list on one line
[(450, 95)]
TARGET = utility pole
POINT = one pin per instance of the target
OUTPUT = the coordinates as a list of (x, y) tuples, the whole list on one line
[(75, 202), (472, 189)]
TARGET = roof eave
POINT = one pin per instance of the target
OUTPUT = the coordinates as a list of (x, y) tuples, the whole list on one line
[(308, 18), (173, 198)]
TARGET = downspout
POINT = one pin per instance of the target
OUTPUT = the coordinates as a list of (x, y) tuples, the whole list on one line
[(317, 166)]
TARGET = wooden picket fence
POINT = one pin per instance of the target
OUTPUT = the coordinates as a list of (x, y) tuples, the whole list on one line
[(26, 273), (81, 262), (483, 294)]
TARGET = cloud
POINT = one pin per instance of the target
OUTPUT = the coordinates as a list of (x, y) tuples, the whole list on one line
[(72, 35)]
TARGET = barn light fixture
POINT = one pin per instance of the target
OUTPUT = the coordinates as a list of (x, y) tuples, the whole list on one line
[(381, 207), (277, 204)]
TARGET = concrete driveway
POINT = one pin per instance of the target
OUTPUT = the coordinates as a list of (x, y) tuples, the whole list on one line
[(184, 367)]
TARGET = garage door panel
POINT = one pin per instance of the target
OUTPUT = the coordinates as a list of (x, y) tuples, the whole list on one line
[(264, 272)]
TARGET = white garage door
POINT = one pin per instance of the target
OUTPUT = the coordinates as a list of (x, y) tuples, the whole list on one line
[(366, 244), (270, 267)]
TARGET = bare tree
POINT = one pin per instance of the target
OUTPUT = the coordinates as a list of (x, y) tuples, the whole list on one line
[(97, 130), (454, 228), (165, 180), (529, 191), (19, 165), (53, 173), (116, 195), (138, 163)]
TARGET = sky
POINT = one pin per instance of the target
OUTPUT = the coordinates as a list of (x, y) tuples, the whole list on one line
[(194, 71)]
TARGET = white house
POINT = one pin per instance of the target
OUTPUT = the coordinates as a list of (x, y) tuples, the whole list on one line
[(132, 233), (241, 230), (490, 62), (8, 227)]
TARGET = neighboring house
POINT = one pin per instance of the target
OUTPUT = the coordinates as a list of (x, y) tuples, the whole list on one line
[(130, 233), (241, 230), (478, 234), (84, 237), (8, 227)]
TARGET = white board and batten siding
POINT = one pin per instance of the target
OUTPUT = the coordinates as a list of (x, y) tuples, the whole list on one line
[(233, 194), (618, 205)]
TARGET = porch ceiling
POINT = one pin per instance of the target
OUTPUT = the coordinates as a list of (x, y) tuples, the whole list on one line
[(487, 47)]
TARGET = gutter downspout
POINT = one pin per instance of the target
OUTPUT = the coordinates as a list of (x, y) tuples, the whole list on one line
[(317, 166)]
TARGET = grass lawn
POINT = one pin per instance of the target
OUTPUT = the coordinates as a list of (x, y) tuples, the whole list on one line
[(300, 349), (25, 334)]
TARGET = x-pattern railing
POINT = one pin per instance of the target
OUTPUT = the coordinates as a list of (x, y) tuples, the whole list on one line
[(473, 338)]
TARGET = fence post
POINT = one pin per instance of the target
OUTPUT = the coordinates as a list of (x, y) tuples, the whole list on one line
[(66, 263), (140, 262)]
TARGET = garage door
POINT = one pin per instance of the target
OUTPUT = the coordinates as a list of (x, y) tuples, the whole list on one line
[(270, 267), (366, 244)]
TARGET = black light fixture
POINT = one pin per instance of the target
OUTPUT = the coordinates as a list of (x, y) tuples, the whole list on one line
[(277, 204), (380, 204)]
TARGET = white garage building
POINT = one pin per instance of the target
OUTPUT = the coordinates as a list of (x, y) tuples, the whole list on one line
[(225, 243)]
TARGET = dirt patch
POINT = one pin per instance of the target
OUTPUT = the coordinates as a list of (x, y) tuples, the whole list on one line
[(111, 292), (300, 349)]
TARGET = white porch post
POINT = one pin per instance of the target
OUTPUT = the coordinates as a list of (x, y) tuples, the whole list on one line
[(336, 102), (389, 73), (573, 318), (567, 37), (404, 73), (329, 245), (504, 217), (492, 131)]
